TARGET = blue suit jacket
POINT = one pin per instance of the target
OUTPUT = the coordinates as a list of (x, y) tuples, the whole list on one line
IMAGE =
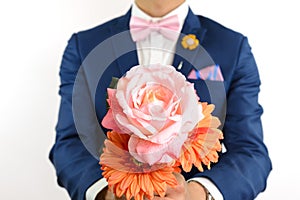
[(241, 172)]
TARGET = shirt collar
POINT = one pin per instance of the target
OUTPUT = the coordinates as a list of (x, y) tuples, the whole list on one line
[(181, 11)]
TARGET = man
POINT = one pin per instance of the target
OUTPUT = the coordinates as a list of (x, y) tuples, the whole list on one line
[(242, 170)]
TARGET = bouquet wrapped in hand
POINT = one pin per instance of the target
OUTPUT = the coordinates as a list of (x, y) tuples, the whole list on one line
[(157, 124)]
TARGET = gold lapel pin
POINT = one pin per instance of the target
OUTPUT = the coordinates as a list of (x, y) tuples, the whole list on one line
[(190, 42)]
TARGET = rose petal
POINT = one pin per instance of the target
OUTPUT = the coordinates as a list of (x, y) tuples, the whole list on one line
[(166, 134), (123, 121), (109, 122), (190, 107), (146, 151)]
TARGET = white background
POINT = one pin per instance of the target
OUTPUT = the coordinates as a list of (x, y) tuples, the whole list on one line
[(34, 34)]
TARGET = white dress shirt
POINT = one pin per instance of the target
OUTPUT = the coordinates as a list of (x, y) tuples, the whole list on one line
[(152, 50)]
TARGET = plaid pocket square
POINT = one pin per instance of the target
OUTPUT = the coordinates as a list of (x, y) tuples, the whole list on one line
[(211, 73)]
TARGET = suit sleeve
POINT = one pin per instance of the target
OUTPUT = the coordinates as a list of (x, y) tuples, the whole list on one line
[(242, 171), (76, 168)]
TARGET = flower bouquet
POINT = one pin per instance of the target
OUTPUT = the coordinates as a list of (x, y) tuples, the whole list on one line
[(158, 125)]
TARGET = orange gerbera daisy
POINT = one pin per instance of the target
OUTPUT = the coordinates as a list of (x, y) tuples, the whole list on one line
[(126, 176), (203, 142)]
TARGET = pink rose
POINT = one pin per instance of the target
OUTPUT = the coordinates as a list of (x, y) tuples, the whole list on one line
[(158, 108)]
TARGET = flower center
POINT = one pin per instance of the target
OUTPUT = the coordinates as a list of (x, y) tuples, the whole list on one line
[(190, 41), (155, 106)]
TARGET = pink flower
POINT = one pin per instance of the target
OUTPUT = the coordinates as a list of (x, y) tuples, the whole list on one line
[(157, 107)]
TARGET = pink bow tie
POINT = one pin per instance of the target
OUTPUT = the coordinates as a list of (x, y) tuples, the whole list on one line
[(140, 28)]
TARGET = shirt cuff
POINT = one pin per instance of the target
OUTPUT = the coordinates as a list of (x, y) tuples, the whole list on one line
[(213, 190), (94, 189)]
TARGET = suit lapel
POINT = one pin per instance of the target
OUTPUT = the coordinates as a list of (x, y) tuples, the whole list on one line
[(190, 58), (123, 45)]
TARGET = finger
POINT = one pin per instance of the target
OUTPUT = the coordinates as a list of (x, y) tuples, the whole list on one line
[(162, 198), (180, 182), (120, 198), (111, 196), (178, 191), (180, 178)]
